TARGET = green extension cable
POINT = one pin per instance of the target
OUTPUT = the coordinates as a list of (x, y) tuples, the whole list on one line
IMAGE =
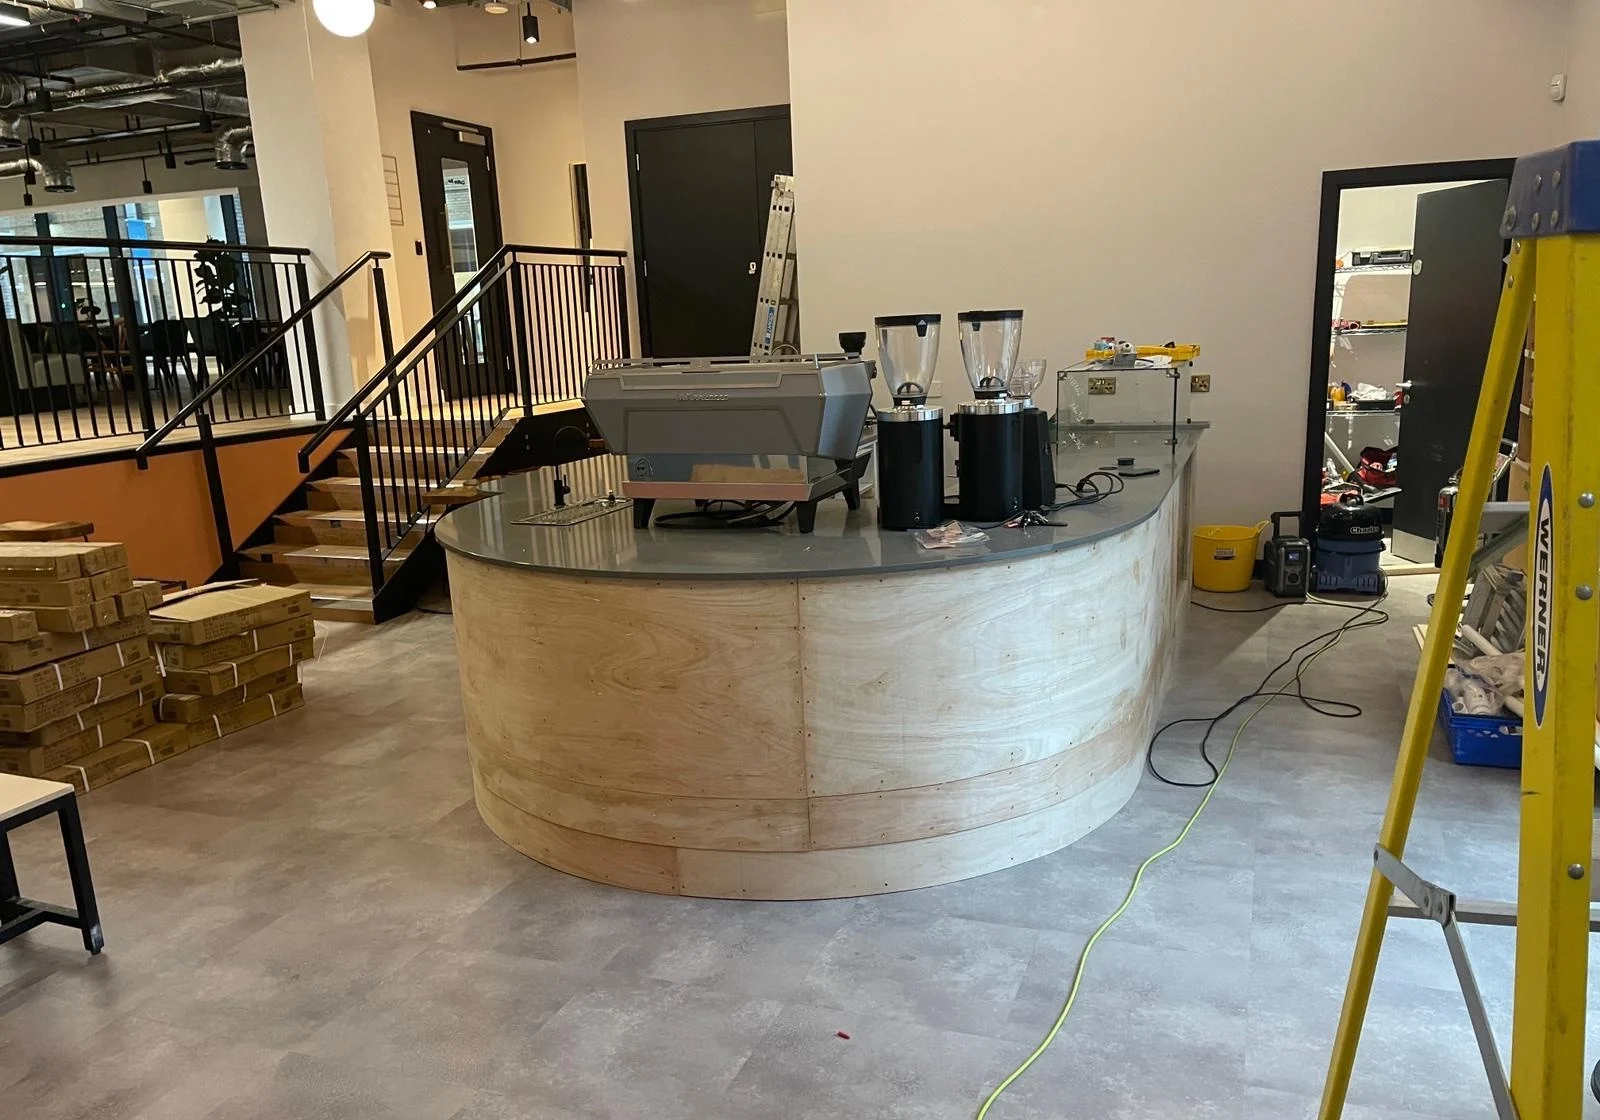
[(1138, 878)]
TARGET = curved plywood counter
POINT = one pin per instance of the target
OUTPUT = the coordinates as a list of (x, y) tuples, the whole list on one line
[(756, 735)]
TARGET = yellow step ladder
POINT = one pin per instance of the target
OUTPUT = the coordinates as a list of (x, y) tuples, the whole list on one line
[(1553, 218)]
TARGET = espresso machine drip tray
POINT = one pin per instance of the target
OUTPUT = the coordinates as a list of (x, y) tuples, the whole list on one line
[(735, 429)]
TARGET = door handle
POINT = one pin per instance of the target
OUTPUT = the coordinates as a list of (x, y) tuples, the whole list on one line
[(1402, 384), (752, 268)]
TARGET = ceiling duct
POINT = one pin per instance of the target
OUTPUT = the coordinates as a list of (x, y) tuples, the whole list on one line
[(57, 177), (230, 147), (163, 85)]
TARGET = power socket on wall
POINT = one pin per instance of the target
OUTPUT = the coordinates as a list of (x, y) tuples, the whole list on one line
[(1199, 383)]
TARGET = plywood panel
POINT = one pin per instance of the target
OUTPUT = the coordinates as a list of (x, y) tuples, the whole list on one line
[(641, 867), (674, 688), (735, 823), (845, 872), (781, 739), (920, 679), (891, 816)]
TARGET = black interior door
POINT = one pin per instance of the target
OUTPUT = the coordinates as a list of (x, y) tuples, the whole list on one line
[(701, 189), (1458, 261), (461, 231)]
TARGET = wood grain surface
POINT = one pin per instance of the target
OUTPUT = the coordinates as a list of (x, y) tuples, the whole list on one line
[(818, 738)]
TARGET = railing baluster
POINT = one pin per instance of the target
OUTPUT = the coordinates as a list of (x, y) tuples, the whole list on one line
[(369, 506), (313, 362)]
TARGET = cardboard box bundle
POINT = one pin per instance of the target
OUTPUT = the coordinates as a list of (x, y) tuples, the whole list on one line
[(78, 679), (231, 655)]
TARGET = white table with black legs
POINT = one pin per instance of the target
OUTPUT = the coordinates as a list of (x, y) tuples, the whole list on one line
[(29, 799)]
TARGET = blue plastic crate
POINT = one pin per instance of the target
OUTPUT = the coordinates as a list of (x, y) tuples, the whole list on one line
[(1482, 740)]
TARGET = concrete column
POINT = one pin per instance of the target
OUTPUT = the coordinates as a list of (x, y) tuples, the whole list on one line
[(320, 165)]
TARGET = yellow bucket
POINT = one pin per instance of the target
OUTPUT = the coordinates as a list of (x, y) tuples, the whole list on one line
[(1225, 556)]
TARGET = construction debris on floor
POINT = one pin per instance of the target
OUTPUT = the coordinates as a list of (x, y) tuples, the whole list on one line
[(101, 677)]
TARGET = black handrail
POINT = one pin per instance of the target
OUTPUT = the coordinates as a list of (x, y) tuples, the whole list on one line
[(384, 378), (141, 453), (118, 243)]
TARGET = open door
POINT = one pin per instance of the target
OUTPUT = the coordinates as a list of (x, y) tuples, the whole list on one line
[(1458, 262)]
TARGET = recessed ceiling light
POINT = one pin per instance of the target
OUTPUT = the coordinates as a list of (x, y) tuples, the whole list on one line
[(496, 7), (430, 5)]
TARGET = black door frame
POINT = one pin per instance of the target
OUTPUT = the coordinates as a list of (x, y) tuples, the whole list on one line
[(1334, 183), (631, 131), (420, 124)]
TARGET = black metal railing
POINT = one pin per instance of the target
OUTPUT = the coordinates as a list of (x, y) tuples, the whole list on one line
[(115, 337), (523, 331), (294, 332)]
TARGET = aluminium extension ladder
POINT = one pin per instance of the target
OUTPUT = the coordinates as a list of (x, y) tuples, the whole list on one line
[(1553, 218), (777, 324)]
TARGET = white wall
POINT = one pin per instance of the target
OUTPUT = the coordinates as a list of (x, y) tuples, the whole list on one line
[(1583, 71), (533, 112), (952, 155), (660, 59), (1382, 217)]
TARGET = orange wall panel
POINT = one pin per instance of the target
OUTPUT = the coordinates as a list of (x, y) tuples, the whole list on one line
[(163, 514)]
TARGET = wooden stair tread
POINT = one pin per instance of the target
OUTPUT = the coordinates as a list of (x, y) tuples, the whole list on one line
[(328, 552), (343, 592), (343, 517)]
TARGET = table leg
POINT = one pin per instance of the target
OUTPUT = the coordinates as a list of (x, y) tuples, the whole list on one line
[(8, 870), (82, 882)]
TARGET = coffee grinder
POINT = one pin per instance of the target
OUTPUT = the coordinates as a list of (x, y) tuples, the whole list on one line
[(910, 434), (1038, 461), (988, 430)]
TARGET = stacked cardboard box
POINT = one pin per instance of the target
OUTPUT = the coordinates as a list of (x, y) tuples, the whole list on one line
[(230, 655), (78, 682)]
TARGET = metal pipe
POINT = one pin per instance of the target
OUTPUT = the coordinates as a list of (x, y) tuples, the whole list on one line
[(218, 71), (231, 143), (57, 177)]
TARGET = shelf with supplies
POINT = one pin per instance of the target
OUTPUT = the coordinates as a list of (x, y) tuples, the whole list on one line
[(1393, 328)]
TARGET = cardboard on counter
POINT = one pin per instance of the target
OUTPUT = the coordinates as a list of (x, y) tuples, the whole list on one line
[(35, 761), (205, 614), (213, 679), (129, 756), (174, 656), (57, 676), (26, 717), (248, 714)]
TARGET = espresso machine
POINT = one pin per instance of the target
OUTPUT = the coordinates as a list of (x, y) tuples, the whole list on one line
[(910, 434), (989, 429)]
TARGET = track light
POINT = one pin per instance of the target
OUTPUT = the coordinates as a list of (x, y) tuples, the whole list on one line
[(145, 184), (34, 147), (27, 199), (530, 26), (29, 178)]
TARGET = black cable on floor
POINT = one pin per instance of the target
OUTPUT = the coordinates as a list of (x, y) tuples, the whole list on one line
[(1334, 709)]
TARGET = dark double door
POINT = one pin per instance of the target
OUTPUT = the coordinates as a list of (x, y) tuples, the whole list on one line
[(701, 188)]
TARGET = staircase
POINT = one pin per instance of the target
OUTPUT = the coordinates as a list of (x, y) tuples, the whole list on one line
[(488, 387), (322, 548)]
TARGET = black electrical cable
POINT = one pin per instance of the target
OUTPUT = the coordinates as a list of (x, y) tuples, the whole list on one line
[(1248, 610), (1320, 705)]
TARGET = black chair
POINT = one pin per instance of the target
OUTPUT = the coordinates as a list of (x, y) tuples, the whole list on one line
[(166, 343), (23, 800)]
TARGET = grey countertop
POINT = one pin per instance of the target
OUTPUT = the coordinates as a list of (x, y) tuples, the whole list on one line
[(845, 543)]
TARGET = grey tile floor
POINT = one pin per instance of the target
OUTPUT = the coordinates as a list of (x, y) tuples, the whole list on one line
[(308, 921)]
